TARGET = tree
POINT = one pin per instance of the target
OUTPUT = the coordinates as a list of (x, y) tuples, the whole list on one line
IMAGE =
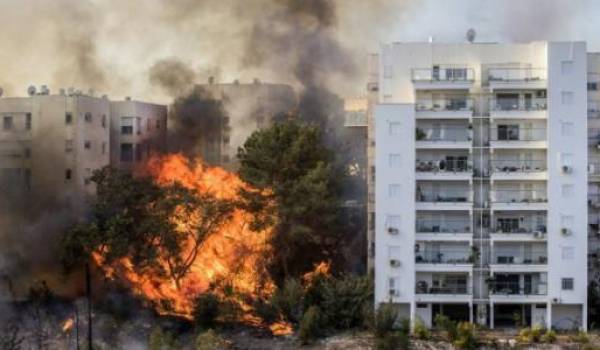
[(160, 228), (295, 189), (10, 338)]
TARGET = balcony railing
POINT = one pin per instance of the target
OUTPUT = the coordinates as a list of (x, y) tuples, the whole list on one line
[(451, 288), (443, 75), (514, 288), (518, 196), (444, 134), (445, 256), (449, 104), (523, 227), (516, 74), (594, 168), (511, 133), (593, 109), (448, 196), (518, 166), (444, 166), (532, 257), (518, 104), (445, 226)]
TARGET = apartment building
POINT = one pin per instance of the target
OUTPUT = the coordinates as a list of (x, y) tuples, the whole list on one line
[(480, 168), (138, 130)]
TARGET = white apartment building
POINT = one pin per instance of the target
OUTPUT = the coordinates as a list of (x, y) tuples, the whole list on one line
[(480, 168)]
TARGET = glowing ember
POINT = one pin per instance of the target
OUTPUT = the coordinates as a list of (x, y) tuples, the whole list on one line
[(68, 325), (281, 328), (234, 255)]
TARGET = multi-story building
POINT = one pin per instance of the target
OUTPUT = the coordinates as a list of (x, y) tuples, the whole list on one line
[(481, 182), (138, 129)]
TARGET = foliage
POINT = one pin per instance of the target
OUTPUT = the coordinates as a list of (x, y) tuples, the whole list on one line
[(420, 330), (530, 335), (210, 340), (10, 338), (162, 340), (517, 319), (388, 335), (296, 190), (580, 337), (466, 336), (385, 319), (549, 337), (206, 310), (593, 303), (393, 341), (289, 300), (311, 326), (448, 326), (265, 310), (137, 218)]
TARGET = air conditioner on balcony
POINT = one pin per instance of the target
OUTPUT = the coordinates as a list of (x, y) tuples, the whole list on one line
[(555, 300), (538, 234), (565, 231), (567, 169), (393, 231), (394, 263), (394, 293)]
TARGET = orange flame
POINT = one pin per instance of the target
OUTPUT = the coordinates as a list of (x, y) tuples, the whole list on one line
[(68, 324), (234, 254)]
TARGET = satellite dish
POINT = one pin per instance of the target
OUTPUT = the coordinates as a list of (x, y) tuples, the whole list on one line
[(471, 35), (31, 90), (1, 92)]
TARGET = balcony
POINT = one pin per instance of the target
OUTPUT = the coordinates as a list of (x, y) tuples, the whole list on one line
[(518, 291), (593, 109), (444, 259), (519, 257), (515, 137), (449, 108), (442, 287), (594, 138), (517, 229), (518, 108), (448, 137), (517, 78), (509, 169), (454, 229), (438, 78), (519, 199), (444, 200), (594, 200), (444, 169)]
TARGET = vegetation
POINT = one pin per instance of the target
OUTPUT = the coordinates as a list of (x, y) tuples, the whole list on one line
[(10, 338), (387, 335), (288, 300), (420, 330), (162, 340), (206, 310), (447, 326), (295, 190), (210, 340), (580, 337), (311, 325), (135, 217), (549, 337), (531, 335), (466, 336)]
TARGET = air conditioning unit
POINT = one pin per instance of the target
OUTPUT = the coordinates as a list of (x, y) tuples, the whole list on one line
[(567, 169), (393, 231), (555, 300), (565, 231), (394, 263), (538, 234), (394, 293)]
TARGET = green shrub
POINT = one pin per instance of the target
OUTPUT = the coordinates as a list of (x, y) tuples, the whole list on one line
[(580, 337), (161, 340), (206, 310), (466, 336), (210, 340), (446, 325), (288, 300), (311, 326), (590, 347), (531, 335), (343, 300), (266, 311), (395, 340), (385, 319), (420, 330), (549, 337)]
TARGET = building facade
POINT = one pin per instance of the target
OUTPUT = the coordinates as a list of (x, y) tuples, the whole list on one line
[(480, 169)]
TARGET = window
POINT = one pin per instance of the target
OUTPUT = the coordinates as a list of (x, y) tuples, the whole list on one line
[(139, 152), (68, 174), (68, 118), (566, 67), (138, 125), (104, 121), (395, 128), (148, 124), (68, 145), (7, 122), (567, 97), (87, 144), (422, 306), (126, 125), (508, 132), (567, 253), (394, 190), (567, 284), (87, 177), (456, 74), (158, 123), (567, 191), (28, 121), (127, 152), (592, 86), (88, 117), (566, 129), (27, 152), (395, 160)]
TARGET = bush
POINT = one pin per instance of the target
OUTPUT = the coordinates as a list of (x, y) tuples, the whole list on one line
[(288, 300), (206, 310), (392, 341), (385, 320), (466, 336), (580, 337), (311, 325), (420, 331), (161, 340), (210, 340), (531, 335), (266, 311), (549, 337), (446, 325), (343, 300)]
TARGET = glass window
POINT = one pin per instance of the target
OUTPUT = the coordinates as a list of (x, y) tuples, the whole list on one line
[(567, 97), (394, 190), (87, 144), (68, 118), (395, 128), (127, 152), (28, 121), (567, 284), (566, 67), (88, 117), (395, 160), (7, 122)]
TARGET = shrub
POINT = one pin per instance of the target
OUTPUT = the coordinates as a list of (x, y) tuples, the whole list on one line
[(210, 340), (385, 319), (266, 311), (392, 341), (311, 325), (420, 330), (466, 336), (446, 325), (531, 335), (549, 337), (288, 300), (580, 337), (343, 300), (161, 340), (206, 310)]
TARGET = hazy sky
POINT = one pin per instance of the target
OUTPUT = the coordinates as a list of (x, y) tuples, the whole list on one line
[(112, 44)]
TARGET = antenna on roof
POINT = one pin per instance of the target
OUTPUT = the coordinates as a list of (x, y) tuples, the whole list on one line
[(471, 35)]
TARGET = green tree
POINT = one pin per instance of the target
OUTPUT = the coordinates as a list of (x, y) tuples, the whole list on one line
[(295, 190), (137, 218)]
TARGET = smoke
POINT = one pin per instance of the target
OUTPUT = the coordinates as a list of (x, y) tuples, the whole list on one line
[(172, 75)]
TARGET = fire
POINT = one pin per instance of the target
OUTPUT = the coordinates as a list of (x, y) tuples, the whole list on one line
[(68, 324), (234, 255)]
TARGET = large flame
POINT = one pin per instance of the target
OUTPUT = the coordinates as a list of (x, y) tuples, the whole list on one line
[(234, 255)]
